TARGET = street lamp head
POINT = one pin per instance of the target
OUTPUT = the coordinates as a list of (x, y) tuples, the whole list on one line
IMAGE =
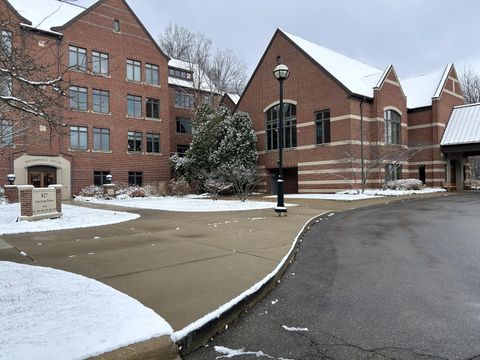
[(109, 178), (281, 72), (11, 178)]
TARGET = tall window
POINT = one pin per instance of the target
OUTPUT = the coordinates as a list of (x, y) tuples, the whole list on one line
[(182, 149), (101, 139), (5, 85), (6, 133), (77, 58), (392, 127), (151, 74), (184, 100), (184, 125), (101, 101), (322, 126), (99, 63), (134, 70), (135, 141), (289, 126), (100, 177), (78, 98), (393, 172), (134, 107), (153, 143), (78, 138), (135, 178), (153, 108), (6, 41), (116, 25)]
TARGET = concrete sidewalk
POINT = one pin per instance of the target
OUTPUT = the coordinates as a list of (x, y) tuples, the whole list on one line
[(182, 265)]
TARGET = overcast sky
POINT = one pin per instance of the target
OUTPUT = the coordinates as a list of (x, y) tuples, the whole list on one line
[(416, 36)]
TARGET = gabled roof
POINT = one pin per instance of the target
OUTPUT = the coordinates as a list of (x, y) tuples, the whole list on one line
[(46, 14), (352, 74), (463, 127), (234, 97), (422, 88)]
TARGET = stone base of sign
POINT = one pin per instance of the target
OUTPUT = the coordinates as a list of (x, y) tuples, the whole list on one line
[(11, 193), (40, 203), (109, 190)]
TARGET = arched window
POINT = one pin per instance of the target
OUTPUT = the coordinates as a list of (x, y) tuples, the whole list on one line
[(289, 126), (393, 127)]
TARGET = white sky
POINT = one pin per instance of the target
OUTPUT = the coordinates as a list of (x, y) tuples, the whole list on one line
[(417, 36)]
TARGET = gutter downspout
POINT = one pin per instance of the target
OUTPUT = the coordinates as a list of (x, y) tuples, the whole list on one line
[(362, 160)]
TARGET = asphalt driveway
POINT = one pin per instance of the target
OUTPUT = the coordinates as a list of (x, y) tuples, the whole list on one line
[(400, 281)]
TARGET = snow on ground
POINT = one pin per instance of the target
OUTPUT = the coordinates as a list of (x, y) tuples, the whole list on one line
[(288, 328), (73, 217), (230, 353), (352, 195), (184, 204), (53, 314)]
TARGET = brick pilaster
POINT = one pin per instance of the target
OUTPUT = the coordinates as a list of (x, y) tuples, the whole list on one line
[(11, 193)]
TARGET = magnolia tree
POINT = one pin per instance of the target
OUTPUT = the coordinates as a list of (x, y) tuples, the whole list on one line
[(223, 152)]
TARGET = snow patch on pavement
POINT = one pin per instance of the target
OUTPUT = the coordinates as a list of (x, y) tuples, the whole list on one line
[(389, 192), (54, 314), (184, 204), (73, 217), (288, 328), (230, 353)]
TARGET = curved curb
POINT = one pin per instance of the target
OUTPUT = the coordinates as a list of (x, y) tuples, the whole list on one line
[(205, 331)]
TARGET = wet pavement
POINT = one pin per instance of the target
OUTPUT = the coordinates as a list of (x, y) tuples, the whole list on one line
[(400, 281)]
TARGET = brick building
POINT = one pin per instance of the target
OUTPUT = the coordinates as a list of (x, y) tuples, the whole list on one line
[(329, 98), (117, 114)]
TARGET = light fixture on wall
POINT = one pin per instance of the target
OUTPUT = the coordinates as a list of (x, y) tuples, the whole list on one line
[(281, 73)]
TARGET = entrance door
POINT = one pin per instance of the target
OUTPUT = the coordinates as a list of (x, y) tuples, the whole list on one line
[(453, 172), (421, 174), (42, 176)]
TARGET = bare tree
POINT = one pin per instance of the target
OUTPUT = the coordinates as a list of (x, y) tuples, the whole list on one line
[(220, 71), (31, 85), (470, 82)]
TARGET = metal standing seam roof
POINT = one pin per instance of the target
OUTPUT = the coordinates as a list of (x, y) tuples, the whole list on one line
[(463, 127)]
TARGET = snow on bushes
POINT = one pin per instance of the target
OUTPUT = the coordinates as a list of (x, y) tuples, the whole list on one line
[(178, 187), (404, 184), (122, 190), (92, 191)]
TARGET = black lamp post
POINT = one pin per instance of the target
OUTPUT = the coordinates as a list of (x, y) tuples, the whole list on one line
[(281, 73)]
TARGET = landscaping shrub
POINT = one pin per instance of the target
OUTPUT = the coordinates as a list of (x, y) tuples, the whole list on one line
[(178, 187), (92, 191), (2, 196), (404, 184), (136, 191)]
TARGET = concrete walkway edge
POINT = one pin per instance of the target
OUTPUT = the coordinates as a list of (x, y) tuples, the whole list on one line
[(204, 331)]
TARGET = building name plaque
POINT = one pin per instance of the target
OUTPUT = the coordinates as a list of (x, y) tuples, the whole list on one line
[(44, 201)]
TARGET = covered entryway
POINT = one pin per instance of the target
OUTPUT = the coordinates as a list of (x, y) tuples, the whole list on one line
[(460, 141), (42, 176), (290, 177)]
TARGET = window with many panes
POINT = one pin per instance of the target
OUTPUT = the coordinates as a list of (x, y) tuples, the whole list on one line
[(99, 63), (182, 149), (184, 125), (153, 143), (116, 25), (151, 74), (393, 172), (100, 102), (393, 127), (153, 108), (101, 139), (178, 73), (100, 177), (5, 85), (6, 133), (134, 106), (134, 72), (78, 98), (6, 41), (184, 100), (77, 58), (289, 126), (78, 137), (135, 141), (135, 178), (322, 127)]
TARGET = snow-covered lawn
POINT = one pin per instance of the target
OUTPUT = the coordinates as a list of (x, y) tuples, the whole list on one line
[(73, 217), (184, 204), (352, 195), (53, 314)]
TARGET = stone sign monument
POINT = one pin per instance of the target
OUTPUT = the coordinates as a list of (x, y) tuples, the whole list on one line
[(40, 203)]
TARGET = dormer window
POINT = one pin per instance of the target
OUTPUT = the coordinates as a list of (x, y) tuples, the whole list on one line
[(116, 26)]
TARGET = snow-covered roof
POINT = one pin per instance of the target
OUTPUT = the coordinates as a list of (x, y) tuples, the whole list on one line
[(46, 14), (422, 88), (199, 81), (463, 127), (234, 97), (353, 74)]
